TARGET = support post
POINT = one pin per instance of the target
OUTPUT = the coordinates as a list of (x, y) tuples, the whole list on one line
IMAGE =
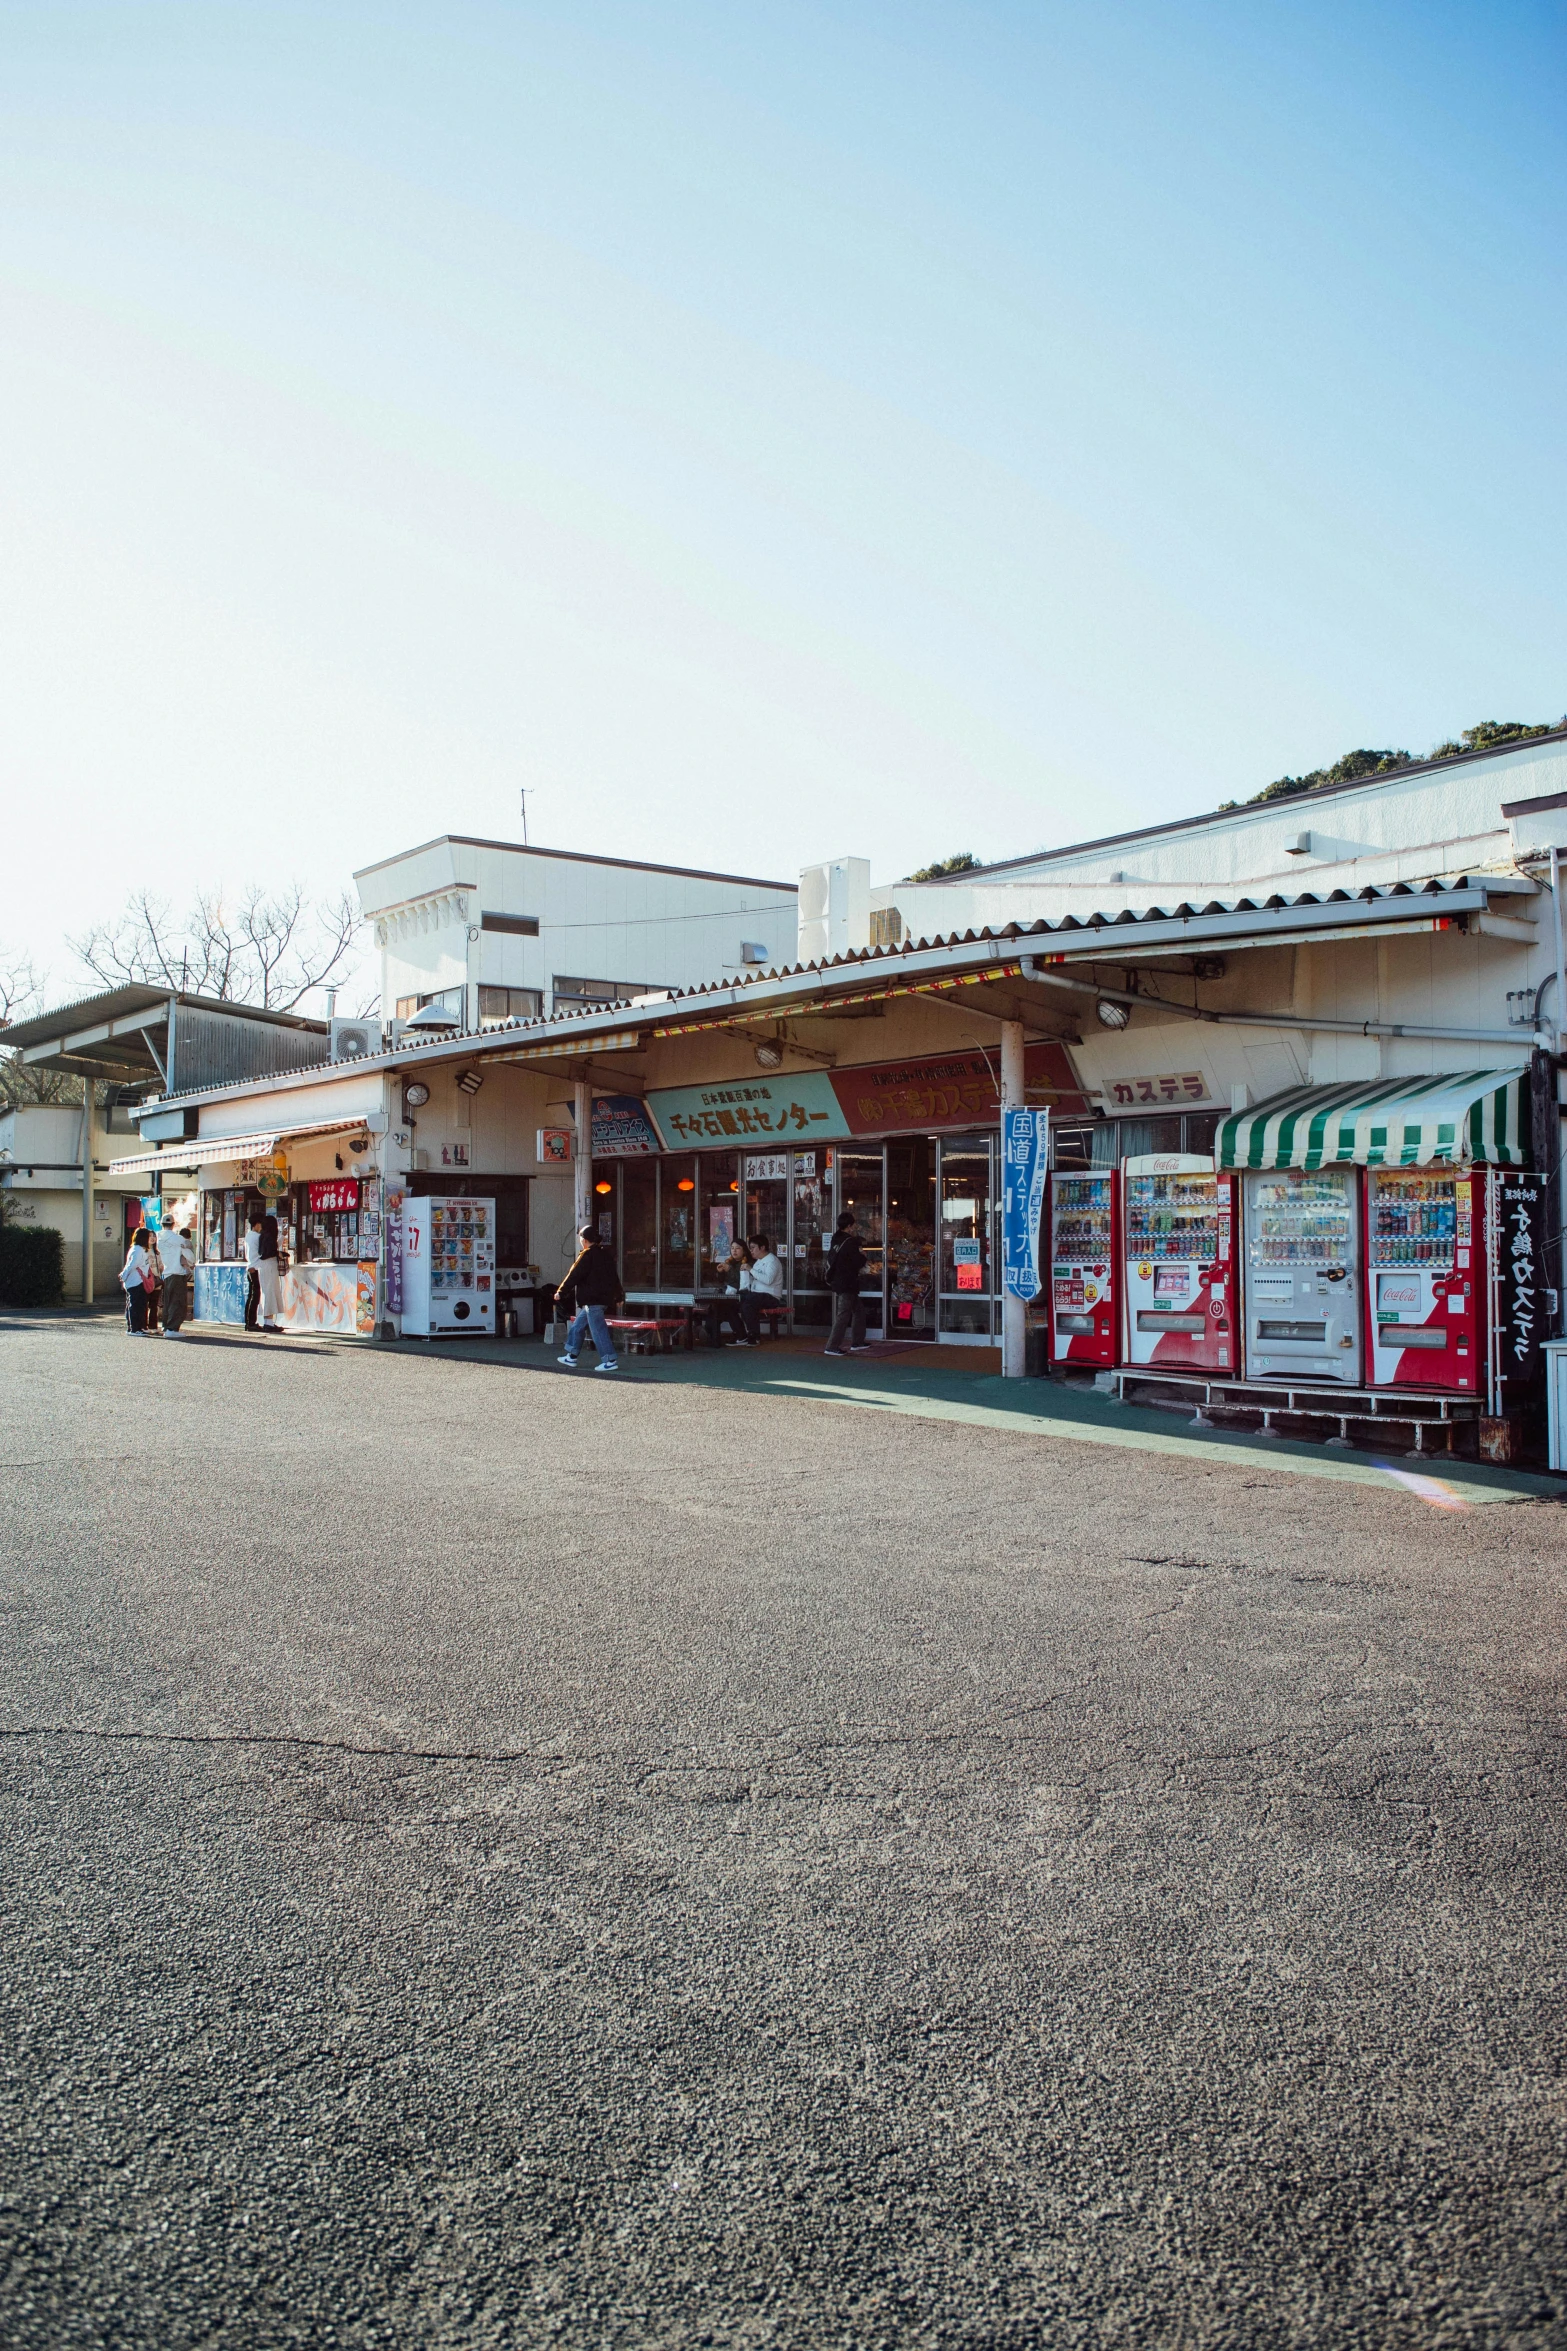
[(1560, 1026), (1014, 1311), (87, 1189), (582, 1159)]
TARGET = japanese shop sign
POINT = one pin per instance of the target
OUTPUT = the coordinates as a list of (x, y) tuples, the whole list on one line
[(1025, 1160), (394, 1251), (743, 1109), (944, 1090), (341, 1192), (1157, 1093), (622, 1128), (554, 1146), (1522, 1320)]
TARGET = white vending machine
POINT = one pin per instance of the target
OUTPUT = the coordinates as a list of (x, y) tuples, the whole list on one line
[(1302, 1245), (448, 1268)]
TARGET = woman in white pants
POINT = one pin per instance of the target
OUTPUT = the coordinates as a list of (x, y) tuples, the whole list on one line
[(267, 1269)]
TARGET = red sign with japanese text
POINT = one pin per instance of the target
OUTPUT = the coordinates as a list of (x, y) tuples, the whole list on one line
[(341, 1192), (948, 1090)]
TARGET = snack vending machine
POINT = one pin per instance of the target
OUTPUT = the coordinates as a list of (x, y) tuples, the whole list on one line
[(1302, 1249), (448, 1267), (1424, 1278), (1179, 1221), (1082, 1267)]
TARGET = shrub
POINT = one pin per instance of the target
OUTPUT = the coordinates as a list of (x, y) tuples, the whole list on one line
[(32, 1266)]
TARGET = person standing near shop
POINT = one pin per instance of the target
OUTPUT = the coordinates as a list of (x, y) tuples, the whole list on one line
[(268, 1274), (764, 1286), (590, 1288), (178, 1254), (134, 1276), (845, 1272), (253, 1271)]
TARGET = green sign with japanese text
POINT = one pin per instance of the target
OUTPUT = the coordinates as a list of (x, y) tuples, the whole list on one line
[(798, 1108)]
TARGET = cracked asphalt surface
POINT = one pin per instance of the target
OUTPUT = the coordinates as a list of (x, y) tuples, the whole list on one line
[(497, 1858)]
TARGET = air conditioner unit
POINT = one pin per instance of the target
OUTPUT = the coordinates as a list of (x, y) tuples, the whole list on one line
[(354, 1040)]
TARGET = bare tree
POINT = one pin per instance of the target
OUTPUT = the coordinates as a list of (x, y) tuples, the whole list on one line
[(267, 951), (20, 993)]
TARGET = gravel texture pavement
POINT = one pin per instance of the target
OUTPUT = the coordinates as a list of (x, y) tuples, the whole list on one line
[(497, 1857)]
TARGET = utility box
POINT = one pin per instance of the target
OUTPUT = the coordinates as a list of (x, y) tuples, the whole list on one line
[(1555, 1353), (834, 909)]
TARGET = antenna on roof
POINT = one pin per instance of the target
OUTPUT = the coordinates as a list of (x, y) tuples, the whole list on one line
[(525, 816)]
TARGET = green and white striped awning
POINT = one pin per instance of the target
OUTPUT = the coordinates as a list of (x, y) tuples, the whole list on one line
[(1478, 1115)]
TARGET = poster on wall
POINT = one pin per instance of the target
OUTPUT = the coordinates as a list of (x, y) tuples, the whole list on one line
[(1025, 1155)]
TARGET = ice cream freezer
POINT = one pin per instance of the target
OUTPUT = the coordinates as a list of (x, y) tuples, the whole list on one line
[(448, 1268)]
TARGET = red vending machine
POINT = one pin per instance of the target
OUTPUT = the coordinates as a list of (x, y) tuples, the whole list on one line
[(1083, 1304), (1181, 1303), (1424, 1277)]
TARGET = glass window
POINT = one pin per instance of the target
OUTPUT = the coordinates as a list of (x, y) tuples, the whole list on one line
[(639, 1223), (965, 1254), (606, 1200), (568, 990), (1202, 1129), (720, 1215), (1137, 1136), (911, 1236), (811, 1179), (516, 926), (502, 1004), (859, 1191), (1083, 1146), (677, 1224)]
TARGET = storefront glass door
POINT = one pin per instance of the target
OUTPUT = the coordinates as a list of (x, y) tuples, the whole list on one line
[(911, 1238), (809, 1234), (860, 1186), (966, 1269), (639, 1223)]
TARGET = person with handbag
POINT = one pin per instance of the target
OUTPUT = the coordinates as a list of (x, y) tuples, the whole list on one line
[(136, 1279), (177, 1254)]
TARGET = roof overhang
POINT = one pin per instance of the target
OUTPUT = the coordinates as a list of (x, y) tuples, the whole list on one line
[(221, 1150)]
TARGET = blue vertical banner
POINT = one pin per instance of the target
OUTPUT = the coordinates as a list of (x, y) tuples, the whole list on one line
[(1025, 1156)]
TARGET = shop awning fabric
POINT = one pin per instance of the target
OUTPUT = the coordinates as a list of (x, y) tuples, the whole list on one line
[(221, 1150), (1480, 1115)]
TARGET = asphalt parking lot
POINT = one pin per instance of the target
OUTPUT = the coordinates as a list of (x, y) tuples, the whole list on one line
[(503, 1857)]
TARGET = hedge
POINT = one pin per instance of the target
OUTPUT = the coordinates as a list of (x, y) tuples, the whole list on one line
[(32, 1266)]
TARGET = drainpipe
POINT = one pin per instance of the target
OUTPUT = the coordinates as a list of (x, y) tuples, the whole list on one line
[(87, 1176), (1014, 1311)]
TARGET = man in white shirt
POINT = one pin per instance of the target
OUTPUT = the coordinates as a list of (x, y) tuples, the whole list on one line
[(177, 1254), (253, 1272)]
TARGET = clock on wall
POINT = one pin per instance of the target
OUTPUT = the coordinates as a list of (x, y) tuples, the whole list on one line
[(416, 1094)]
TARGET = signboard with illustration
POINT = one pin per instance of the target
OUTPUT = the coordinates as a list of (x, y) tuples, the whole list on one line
[(622, 1128)]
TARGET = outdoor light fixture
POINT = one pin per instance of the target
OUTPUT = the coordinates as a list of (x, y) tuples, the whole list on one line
[(603, 1187), (469, 1081), (769, 1056), (1111, 1014), (685, 1185)]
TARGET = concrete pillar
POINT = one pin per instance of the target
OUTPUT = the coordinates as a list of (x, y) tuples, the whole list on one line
[(87, 1190), (1014, 1311), (582, 1163)]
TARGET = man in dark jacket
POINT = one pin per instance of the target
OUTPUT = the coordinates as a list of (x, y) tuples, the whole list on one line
[(845, 1272), (588, 1291)]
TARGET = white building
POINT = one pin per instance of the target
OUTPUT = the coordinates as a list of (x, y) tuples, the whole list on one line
[(41, 1178), (494, 931)]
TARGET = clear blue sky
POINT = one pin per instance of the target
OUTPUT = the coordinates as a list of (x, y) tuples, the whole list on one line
[(765, 433)]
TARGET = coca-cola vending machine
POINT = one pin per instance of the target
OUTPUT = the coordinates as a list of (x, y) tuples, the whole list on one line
[(1083, 1256), (1425, 1277), (1182, 1306)]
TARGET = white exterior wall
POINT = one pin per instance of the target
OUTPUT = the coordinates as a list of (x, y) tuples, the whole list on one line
[(1390, 829), (46, 1138), (596, 921)]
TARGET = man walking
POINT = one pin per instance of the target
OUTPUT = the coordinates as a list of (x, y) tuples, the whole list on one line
[(588, 1291), (179, 1262), (845, 1272)]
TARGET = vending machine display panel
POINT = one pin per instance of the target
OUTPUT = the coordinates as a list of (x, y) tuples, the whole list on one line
[(1180, 1287), (1302, 1255), (1082, 1268), (1423, 1284)]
